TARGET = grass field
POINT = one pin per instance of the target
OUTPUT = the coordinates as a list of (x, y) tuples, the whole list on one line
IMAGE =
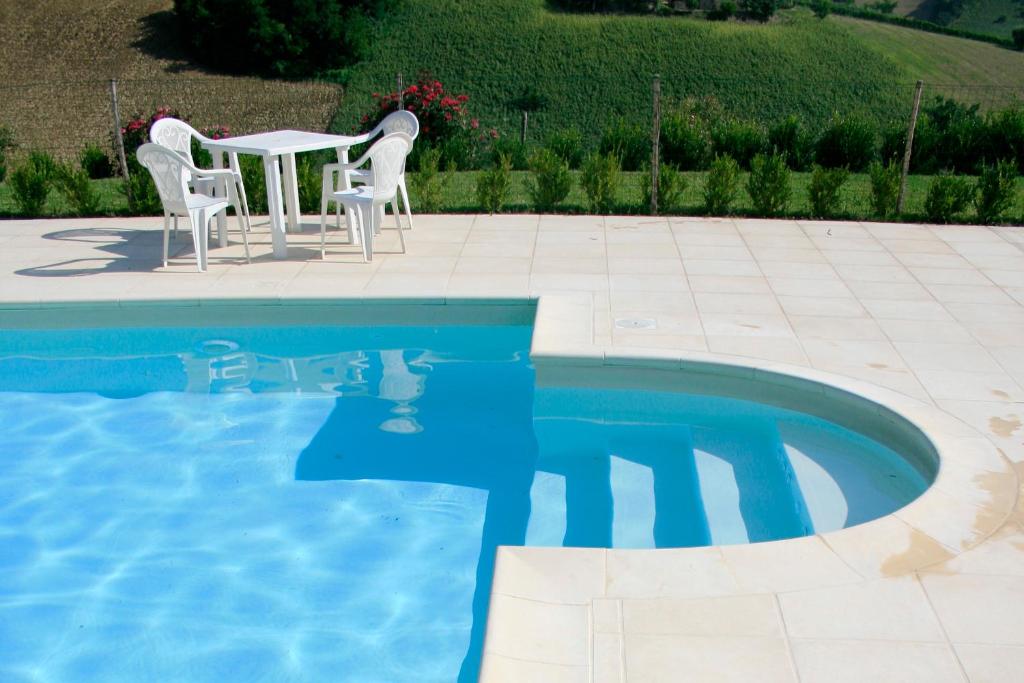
[(996, 17), (975, 70), (460, 197), (57, 56), (593, 67)]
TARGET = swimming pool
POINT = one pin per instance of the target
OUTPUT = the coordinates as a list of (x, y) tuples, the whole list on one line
[(319, 497)]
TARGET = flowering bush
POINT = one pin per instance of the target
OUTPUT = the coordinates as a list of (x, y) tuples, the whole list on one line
[(445, 121), (135, 133)]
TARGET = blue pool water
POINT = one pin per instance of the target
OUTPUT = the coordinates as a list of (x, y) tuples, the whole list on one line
[(322, 503)]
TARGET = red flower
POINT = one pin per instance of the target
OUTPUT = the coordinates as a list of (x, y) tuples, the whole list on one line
[(474, 124)]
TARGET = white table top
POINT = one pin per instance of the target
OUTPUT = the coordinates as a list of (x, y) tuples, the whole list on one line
[(279, 142)]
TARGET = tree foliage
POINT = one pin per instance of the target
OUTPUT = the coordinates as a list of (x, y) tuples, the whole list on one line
[(280, 38)]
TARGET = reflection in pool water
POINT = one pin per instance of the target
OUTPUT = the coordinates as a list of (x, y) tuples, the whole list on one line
[(323, 503)]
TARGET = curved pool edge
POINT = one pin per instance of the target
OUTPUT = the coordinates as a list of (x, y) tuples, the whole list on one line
[(553, 609), (556, 613)]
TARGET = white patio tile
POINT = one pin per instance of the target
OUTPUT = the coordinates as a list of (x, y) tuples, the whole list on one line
[(884, 609), (978, 609), (828, 327), (992, 663), (820, 661), (726, 284), (741, 615), (662, 659), (721, 268)]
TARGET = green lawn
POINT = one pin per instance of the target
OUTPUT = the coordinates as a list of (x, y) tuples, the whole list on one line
[(460, 197)]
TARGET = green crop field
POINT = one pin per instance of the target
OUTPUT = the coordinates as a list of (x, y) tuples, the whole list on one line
[(593, 67), (997, 17)]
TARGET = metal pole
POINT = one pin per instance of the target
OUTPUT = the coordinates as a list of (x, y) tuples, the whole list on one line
[(118, 138), (401, 91), (655, 142), (910, 145)]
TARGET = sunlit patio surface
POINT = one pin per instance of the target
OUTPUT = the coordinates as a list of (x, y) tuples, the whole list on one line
[(930, 317)]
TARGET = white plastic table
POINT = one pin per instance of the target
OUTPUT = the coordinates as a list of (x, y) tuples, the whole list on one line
[(278, 149)]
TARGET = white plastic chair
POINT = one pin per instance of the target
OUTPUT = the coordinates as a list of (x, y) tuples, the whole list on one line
[(396, 122), (171, 174), (364, 205), (177, 135)]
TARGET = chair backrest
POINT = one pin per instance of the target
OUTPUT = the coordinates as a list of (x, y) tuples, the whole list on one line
[(170, 175), (176, 135), (401, 121), (387, 163)]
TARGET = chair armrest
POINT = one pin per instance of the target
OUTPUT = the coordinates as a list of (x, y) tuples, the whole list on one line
[(213, 173)]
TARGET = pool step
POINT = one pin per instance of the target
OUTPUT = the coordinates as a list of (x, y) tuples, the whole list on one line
[(748, 485)]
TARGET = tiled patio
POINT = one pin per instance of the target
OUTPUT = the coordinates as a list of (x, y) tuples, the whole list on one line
[(934, 314)]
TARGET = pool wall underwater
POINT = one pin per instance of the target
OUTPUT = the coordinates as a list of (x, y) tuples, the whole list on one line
[(539, 594)]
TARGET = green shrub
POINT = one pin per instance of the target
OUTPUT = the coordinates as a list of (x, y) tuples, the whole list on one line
[(514, 150), (951, 136), (883, 6), (76, 186), (849, 142), (281, 38), (948, 195), (1018, 38), (885, 187), (95, 161), (759, 10), (428, 183), (631, 143), (550, 180), (143, 199), (44, 164), (768, 184), (894, 143), (1005, 133), (255, 185), (995, 191), (568, 144), (742, 140), (309, 179), (6, 143), (600, 181), (721, 186), (825, 191), (791, 138), (726, 10), (821, 8), (493, 186), (671, 186), (29, 187), (685, 141)]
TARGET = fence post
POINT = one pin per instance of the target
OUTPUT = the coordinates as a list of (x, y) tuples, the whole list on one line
[(522, 131), (118, 138), (909, 147), (655, 143), (401, 89)]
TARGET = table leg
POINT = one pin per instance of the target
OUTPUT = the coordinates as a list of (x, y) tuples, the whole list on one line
[(291, 192), (272, 172), (221, 191)]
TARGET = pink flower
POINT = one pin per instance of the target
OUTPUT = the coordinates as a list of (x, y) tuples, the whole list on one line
[(474, 124)]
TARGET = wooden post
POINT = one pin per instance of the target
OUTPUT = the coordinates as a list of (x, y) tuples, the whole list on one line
[(526, 122), (118, 138), (655, 144), (909, 147), (401, 89)]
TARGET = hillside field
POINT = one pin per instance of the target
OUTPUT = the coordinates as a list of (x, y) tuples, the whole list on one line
[(594, 67)]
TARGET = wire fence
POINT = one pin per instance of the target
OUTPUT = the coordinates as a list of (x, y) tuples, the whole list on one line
[(62, 117)]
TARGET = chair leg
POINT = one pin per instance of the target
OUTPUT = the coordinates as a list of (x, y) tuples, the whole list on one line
[(197, 221), (167, 228), (175, 226), (365, 217), (405, 199), (325, 189), (242, 227)]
